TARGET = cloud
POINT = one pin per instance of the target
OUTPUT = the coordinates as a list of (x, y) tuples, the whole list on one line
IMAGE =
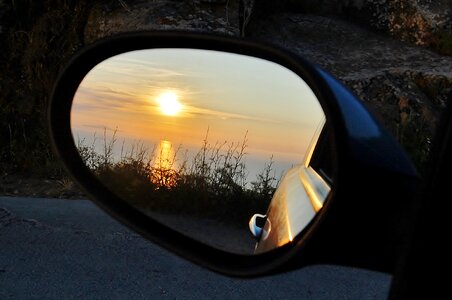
[(138, 68), (101, 127), (107, 98), (191, 110), (143, 69)]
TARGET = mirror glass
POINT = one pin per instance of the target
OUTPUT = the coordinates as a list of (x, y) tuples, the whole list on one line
[(203, 140)]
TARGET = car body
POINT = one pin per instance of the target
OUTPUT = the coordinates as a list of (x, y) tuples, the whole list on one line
[(299, 197)]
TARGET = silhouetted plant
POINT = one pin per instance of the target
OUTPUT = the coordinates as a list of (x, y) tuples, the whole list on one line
[(266, 182), (212, 184)]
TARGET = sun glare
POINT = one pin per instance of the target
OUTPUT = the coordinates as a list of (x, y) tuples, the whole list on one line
[(169, 105), (163, 172)]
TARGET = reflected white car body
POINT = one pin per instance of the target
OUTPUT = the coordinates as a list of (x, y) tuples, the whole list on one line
[(299, 196)]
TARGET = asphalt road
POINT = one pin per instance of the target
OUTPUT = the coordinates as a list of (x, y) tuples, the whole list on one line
[(69, 249)]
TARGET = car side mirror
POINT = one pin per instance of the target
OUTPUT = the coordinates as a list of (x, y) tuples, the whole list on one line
[(256, 224), (184, 137)]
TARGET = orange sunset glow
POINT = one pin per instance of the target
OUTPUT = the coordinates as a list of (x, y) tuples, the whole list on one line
[(169, 98), (165, 155), (163, 170)]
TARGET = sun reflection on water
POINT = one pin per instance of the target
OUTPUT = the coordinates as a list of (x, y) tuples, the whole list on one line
[(163, 172)]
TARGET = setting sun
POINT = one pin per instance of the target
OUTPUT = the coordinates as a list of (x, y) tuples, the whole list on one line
[(169, 105)]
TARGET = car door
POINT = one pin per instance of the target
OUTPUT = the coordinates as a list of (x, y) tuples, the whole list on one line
[(300, 195)]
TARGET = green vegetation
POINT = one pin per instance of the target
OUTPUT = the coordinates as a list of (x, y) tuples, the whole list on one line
[(418, 124), (37, 38), (412, 135), (213, 183), (442, 42)]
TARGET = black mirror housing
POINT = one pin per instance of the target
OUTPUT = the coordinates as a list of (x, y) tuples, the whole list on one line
[(373, 179)]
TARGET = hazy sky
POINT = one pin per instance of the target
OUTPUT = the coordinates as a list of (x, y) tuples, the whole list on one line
[(228, 93)]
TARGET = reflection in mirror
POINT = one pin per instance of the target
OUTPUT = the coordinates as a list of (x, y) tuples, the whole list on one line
[(203, 140)]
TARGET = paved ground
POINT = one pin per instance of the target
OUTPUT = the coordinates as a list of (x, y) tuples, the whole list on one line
[(54, 249)]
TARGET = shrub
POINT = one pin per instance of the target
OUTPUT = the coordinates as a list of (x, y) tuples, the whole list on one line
[(212, 184)]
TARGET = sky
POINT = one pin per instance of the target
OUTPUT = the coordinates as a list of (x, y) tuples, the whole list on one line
[(180, 95)]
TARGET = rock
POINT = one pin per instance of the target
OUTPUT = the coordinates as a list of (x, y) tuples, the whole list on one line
[(161, 15), (407, 87), (421, 22), (214, 1)]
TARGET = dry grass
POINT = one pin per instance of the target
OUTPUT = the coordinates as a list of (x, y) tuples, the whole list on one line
[(213, 183)]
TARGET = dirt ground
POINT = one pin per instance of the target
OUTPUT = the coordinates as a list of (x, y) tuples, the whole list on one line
[(220, 235), (11, 185)]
